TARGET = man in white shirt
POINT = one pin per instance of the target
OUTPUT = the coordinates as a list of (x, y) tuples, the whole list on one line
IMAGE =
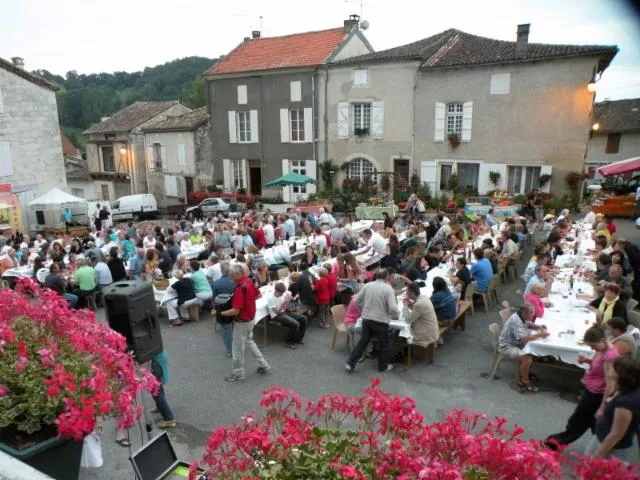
[(277, 305), (149, 241), (269, 234), (39, 241), (290, 226), (213, 271), (374, 241), (509, 247), (280, 258)]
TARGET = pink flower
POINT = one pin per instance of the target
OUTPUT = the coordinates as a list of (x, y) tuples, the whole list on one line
[(3, 391)]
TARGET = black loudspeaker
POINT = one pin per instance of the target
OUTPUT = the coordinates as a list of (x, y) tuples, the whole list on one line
[(131, 311)]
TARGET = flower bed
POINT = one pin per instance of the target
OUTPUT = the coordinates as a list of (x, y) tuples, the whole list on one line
[(383, 436), (61, 369)]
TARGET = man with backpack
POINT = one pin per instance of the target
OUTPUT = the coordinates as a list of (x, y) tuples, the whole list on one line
[(243, 310)]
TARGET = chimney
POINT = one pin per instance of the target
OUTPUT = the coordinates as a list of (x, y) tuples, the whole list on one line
[(246, 39), (522, 40), (351, 23), (255, 34), (18, 62)]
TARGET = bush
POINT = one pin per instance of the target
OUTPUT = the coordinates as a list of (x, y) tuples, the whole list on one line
[(518, 200)]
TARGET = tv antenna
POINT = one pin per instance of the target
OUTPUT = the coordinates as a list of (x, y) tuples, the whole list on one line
[(361, 2)]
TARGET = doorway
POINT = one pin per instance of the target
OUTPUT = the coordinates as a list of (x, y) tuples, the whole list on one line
[(400, 171), (188, 183), (255, 181)]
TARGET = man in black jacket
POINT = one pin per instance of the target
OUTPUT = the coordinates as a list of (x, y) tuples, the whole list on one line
[(633, 254), (307, 295)]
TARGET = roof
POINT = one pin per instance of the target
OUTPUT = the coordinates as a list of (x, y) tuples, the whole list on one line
[(68, 148), (76, 169), (130, 117), (454, 48), (32, 77), (297, 50), (617, 115), (187, 121)]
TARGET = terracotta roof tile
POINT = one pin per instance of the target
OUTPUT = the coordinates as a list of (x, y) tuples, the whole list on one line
[(187, 121), (618, 115), (68, 148), (454, 48), (297, 50), (130, 117)]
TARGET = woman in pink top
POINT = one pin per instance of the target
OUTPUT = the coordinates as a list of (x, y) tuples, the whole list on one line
[(351, 318), (596, 386), (534, 297)]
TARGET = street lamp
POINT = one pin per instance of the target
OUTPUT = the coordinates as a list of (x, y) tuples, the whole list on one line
[(591, 86), (123, 150), (595, 127)]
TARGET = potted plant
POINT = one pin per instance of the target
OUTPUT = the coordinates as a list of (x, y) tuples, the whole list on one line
[(361, 131), (494, 178), (60, 371), (383, 436), (544, 179), (385, 182), (454, 140)]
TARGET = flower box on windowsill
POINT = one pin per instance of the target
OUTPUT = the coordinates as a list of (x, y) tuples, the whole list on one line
[(454, 140), (361, 132)]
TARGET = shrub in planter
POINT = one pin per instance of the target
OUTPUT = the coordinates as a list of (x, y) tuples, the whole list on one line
[(454, 140), (382, 436), (494, 178), (544, 179), (385, 182), (61, 370)]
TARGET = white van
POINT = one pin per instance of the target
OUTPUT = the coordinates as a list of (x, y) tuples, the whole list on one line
[(138, 206)]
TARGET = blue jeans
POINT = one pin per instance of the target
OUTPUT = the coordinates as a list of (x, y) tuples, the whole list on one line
[(161, 400), (71, 299), (227, 335)]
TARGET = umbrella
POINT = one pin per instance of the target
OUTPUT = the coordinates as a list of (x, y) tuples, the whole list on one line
[(290, 179), (621, 167)]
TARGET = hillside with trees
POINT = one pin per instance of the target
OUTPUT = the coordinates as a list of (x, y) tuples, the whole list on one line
[(84, 99)]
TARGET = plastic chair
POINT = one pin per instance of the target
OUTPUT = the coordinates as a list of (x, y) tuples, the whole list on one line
[(338, 312), (493, 288), (505, 313), (494, 328), (283, 273), (468, 295)]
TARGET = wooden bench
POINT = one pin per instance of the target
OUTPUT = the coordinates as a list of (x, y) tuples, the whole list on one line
[(460, 321)]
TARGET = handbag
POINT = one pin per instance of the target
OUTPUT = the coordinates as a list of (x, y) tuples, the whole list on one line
[(91, 451)]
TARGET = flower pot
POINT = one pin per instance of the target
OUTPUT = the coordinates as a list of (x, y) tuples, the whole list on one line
[(60, 459)]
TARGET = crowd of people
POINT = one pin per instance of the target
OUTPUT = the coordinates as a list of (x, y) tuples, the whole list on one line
[(226, 264)]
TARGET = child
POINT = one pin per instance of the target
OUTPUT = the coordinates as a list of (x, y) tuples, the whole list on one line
[(323, 296), (333, 282)]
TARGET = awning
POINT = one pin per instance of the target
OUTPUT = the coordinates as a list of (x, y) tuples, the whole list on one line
[(621, 167), (290, 179)]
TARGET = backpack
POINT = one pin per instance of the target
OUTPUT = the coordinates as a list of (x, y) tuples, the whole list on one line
[(223, 302)]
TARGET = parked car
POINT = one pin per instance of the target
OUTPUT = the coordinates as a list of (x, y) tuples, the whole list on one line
[(209, 206), (136, 207)]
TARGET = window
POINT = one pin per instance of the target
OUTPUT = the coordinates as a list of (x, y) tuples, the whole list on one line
[(158, 160), (108, 159), (242, 94), (77, 192), (361, 118), (236, 172), (446, 170), (613, 143), (468, 174), (296, 123), (522, 179), (360, 168), (500, 84), (454, 118), (244, 127), (361, 77), (299, 167), (295, 91)]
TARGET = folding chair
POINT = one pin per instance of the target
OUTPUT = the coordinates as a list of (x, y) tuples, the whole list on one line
[(494, 328)]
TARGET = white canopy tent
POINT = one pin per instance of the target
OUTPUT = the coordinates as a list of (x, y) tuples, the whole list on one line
[(47, 209)]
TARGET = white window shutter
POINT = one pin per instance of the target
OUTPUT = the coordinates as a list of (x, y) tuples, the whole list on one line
[(311, 172), (243, 173), (226, 173), (286, 191), (182, 154), (467, 113), (6, 160), (361, 77), (1, 102), (500, 84), (151, 161), (438, 134), (253, 118), (308, 125), (343, 120), (242, 94), (233, 132), (295, 91), (284, 125), (163, 154), (377, 119), (428, 173)]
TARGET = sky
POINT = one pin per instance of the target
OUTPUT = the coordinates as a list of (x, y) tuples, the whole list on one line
[(92, 36)]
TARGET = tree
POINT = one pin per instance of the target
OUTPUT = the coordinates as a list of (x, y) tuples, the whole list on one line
[(196, 95)]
